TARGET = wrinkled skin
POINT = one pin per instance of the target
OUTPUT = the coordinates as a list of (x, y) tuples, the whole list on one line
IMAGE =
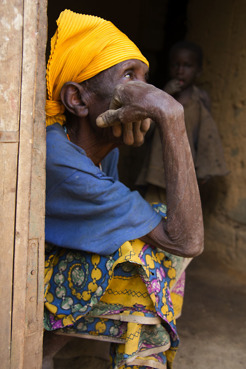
[(98, 92)]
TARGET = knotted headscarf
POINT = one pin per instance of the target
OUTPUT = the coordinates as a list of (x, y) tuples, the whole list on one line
[(82, 46)]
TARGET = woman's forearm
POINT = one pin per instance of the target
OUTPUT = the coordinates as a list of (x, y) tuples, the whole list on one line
[(182, 232)]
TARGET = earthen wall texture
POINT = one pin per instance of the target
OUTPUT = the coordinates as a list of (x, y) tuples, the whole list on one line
[(219, 27)]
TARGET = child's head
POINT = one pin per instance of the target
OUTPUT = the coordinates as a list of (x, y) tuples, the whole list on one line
[(185, 63)]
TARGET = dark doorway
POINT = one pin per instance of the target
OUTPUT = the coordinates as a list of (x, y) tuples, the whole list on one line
[(153, 26), (175, 29)]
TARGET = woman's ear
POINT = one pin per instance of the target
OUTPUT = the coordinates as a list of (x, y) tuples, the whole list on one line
[(72, 96)]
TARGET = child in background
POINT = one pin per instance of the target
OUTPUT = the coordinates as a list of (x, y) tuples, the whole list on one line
[(185, 65)]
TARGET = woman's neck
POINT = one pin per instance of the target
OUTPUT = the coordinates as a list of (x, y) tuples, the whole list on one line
[(96, 146)]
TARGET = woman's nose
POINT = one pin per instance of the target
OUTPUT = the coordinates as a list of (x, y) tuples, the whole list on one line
[(141, 78)]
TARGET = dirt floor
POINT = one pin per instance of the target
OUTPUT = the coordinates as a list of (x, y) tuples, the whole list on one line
[(212, 328)]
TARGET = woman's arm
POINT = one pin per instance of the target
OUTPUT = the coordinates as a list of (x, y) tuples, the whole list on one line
[(182, 232)]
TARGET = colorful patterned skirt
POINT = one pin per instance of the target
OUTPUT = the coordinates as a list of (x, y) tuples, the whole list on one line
[(130, 298)]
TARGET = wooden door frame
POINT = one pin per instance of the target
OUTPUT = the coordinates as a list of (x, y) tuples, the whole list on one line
[(22, 160)]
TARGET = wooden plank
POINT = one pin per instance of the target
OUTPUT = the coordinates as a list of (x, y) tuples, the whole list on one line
[(10, 80), (32, 345), (23, 30), (8, 165), (9, 136), (11, 61), (26, 349), (35, 295)]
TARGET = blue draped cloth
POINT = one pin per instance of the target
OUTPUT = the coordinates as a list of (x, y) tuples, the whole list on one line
[(87, 209)]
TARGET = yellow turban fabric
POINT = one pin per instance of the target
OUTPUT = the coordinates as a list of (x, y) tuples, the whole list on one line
[(82, 46)]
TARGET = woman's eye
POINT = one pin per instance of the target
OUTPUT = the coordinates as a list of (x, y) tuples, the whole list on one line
[(128, 74)]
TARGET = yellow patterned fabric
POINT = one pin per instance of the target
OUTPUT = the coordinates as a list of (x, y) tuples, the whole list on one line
[(82, 47), (130, 298)]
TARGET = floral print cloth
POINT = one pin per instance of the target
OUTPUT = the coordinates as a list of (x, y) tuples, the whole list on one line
[(130, 298)]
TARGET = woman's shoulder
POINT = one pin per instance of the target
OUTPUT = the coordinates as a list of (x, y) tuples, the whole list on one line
[(61, 151), (65, 160)]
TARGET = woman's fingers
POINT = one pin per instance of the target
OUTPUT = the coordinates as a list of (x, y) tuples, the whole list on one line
[(128, 136), (108, 118), (145, 125), (117, 130), (132, 133)]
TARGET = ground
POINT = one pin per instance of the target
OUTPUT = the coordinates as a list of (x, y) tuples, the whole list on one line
[(212, 327)]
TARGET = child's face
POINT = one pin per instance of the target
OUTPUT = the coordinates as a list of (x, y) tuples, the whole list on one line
[(184, 67)]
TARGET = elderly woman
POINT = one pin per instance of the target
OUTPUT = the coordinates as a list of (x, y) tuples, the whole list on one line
[(114, 264)]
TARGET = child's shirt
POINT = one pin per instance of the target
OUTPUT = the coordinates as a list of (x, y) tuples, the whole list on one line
[(205, 144)]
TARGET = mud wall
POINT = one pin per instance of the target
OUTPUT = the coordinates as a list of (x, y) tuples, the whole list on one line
[(220, 28)]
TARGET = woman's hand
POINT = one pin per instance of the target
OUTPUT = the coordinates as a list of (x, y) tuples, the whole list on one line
[(132, 133), (133, 107)]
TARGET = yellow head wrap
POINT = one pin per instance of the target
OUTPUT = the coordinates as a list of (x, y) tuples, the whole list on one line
[(82, 46)]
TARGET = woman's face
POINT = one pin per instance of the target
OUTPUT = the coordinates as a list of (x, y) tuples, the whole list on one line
[(103, 85), (184, 67)]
